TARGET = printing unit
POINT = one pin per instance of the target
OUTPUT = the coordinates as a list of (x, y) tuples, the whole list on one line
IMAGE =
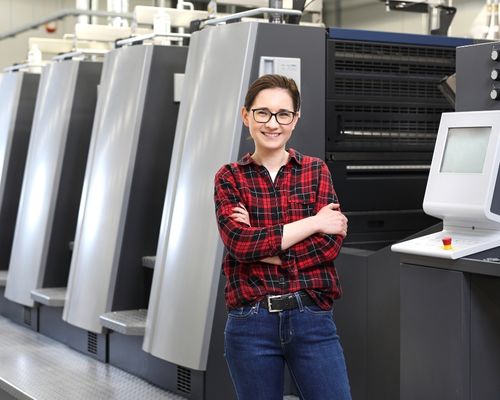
[(51, 188), (18, 91)]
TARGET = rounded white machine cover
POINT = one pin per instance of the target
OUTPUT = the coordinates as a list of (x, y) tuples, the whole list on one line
[(41, 180), (10, 91), (189, 255), (106, 187)]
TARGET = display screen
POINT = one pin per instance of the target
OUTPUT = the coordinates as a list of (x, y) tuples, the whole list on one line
[(465, 149)]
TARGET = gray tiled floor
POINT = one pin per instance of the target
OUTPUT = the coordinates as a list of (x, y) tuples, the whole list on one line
[(33, 366), (45, 369)]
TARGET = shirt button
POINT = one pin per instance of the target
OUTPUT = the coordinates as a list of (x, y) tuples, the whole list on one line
[(282, 281)]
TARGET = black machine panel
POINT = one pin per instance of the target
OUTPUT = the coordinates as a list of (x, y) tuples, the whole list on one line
[(383, 107)]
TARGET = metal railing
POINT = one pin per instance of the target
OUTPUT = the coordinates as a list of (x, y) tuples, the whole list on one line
[(61, 15)]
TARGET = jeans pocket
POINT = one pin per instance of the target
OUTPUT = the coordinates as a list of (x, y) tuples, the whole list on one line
[(316, 310), (244, 312)]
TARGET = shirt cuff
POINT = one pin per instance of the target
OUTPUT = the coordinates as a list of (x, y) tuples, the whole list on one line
[(287, 259), (275, 236)]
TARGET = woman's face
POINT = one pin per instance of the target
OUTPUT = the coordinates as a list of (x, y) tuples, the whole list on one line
[(270, 135)]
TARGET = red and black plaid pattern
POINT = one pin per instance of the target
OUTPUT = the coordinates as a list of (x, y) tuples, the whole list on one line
[(301, 188)]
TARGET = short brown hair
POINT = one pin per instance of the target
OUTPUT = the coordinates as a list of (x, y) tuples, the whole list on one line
[(271, 81)]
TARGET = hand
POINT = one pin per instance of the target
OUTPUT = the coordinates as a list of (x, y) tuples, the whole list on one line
[(240, 214), (331, 221)]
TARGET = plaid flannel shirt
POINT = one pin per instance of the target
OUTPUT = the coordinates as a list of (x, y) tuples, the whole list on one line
[(301, 188)]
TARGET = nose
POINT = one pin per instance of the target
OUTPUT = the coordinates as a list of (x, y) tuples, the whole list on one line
[(273, 122)]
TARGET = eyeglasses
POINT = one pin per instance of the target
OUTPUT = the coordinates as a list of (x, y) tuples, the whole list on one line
[(263, 115)]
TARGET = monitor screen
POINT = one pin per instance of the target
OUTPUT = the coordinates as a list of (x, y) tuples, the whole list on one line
[(465, 149)]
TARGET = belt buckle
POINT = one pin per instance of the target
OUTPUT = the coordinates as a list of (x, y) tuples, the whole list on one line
[(269, 307)]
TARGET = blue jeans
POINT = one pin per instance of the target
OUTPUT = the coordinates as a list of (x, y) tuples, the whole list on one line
[(259, 343)]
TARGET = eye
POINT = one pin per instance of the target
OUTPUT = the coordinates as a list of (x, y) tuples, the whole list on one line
[(285, 114), (262, 113), (285, 117)]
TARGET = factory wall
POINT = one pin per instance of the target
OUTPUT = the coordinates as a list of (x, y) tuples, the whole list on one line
[(371, 15), (17, 13), (358, 14)]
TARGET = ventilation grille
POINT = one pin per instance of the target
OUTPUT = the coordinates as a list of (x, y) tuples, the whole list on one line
[(92, 342), (404, 69), (388, 109), (391, 129), (27, 316), (362, 88), (385, 95), (385, 57), (183, 380)]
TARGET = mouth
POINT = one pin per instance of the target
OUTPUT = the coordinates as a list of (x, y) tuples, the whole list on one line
[(271, 135)]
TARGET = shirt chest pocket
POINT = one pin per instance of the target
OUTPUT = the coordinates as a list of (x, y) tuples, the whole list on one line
[(301, 205)]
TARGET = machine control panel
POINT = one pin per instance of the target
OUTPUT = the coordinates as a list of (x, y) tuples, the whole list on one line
[(450, 244)]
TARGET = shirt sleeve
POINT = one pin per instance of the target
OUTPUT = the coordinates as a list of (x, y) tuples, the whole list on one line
[(245, 244), (319, 248)]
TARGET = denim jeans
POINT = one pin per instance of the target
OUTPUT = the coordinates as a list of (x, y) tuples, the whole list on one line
[(259, 343)]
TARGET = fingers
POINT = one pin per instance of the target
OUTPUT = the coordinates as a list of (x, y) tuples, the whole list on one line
[(343, 231), (241, 214), (240, 219), (344, 227), (332, 221)]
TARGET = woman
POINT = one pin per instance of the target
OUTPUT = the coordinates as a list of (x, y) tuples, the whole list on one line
[(280, 222)]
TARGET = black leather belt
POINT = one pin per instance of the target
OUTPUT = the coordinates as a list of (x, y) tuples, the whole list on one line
[(286, 301)]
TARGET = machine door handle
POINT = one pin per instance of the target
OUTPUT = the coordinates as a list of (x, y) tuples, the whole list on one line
[(388, 168)]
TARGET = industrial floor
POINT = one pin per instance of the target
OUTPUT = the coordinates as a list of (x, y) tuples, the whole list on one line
[(33, 366)]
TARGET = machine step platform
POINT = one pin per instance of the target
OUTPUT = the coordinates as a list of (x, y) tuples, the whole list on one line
[(3, 278), (52, 297), (148, 261), (129, 322)]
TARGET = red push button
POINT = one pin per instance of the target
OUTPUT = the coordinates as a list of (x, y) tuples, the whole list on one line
[(447, 243)]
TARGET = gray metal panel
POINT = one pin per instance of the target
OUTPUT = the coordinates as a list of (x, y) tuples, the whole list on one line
[(130, 322), (474, 83), (350, 313), (3, 278), (485, 331), (14, 160), (41, 180), (106, 187), (308, 45), (435, 334), (52, 297), (185, 282), (10, 91)]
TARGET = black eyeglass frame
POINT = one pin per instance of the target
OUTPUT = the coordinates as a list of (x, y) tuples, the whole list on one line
[(271, 114)]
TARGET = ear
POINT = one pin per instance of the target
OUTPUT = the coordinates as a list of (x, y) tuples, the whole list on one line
[(245, 116)]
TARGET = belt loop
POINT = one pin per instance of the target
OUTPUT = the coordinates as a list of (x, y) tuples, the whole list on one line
[(256, 308), (299, 301)]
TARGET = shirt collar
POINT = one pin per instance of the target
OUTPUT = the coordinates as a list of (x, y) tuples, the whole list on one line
[(294, 156)]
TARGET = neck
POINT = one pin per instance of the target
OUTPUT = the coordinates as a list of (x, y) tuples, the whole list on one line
[(272, 160)]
